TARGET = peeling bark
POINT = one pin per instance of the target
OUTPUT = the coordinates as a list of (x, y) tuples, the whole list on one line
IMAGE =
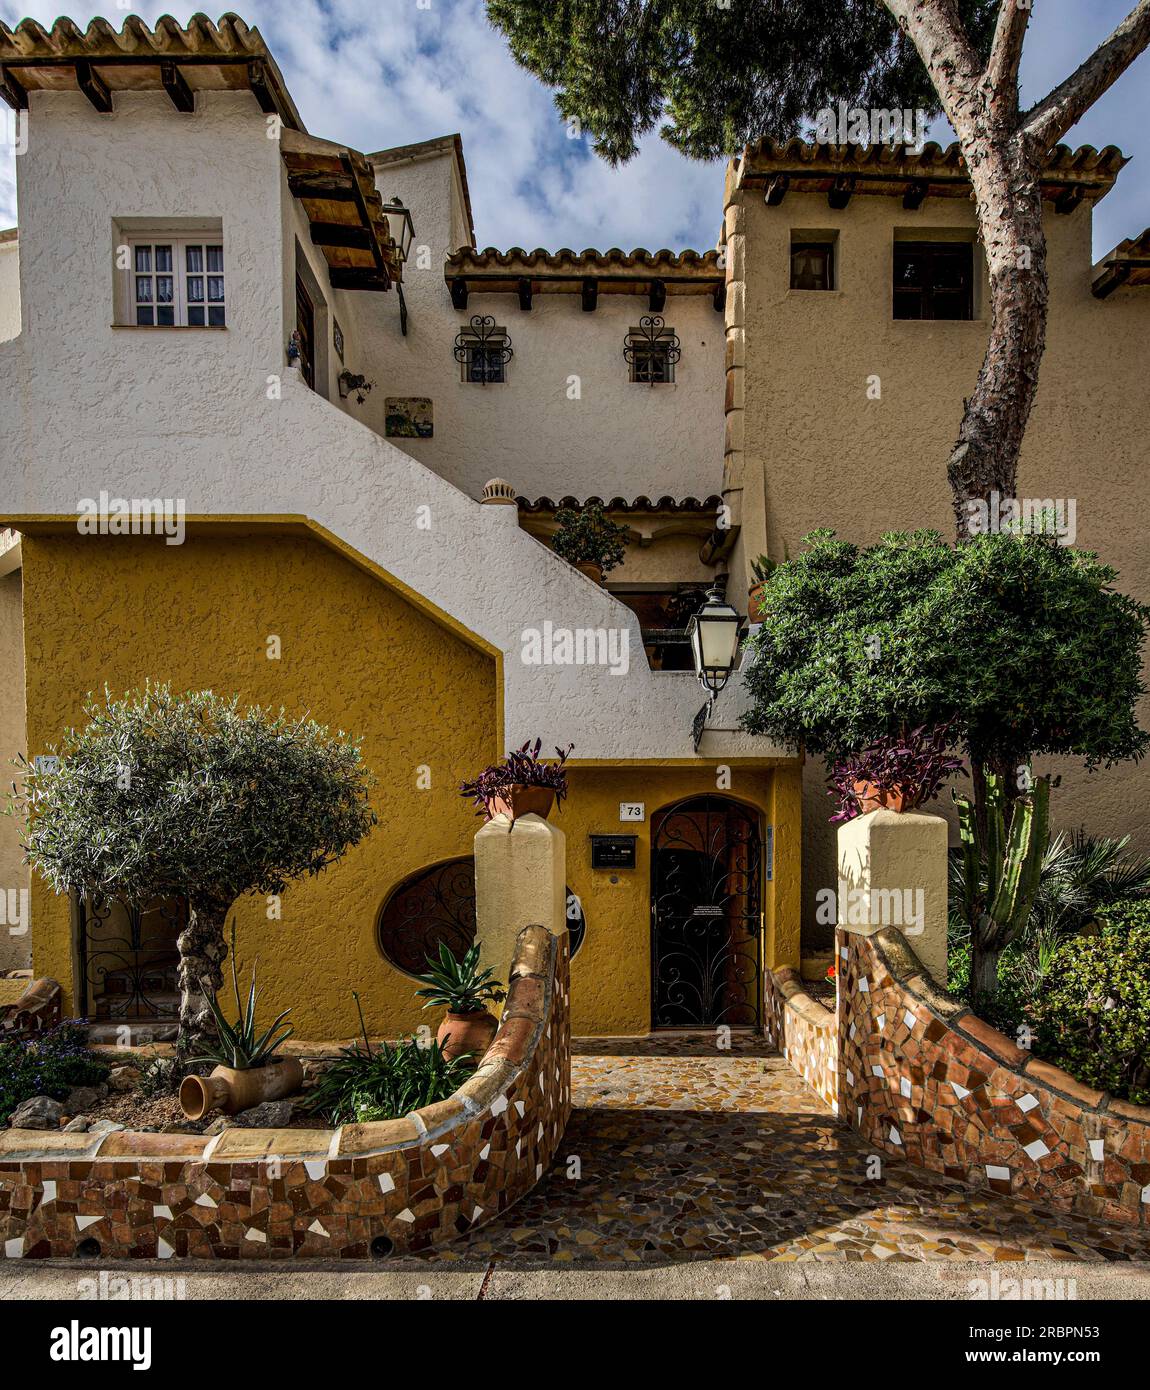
[(202, 951)]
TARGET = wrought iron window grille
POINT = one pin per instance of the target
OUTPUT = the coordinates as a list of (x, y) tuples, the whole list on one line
[(483, 351), (651, 351)]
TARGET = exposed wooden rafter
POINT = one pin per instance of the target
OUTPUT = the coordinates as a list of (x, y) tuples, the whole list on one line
[(176, 86), (93, 86)]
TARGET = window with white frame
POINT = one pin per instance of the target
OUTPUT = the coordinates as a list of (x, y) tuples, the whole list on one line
[(176, 282)]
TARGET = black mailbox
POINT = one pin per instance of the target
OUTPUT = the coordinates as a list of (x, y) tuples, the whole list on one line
[(613, 851)]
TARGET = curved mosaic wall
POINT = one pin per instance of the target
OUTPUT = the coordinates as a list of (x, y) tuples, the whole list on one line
[(349, 1193)]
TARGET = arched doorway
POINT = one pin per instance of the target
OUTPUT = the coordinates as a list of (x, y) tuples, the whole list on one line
[(706, 914)]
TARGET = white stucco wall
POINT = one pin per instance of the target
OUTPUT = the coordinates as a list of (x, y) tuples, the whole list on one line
[(188, 415), (617, 438), (9, 290)]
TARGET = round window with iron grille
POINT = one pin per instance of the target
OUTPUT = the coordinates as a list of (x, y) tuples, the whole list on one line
[(436, 906)]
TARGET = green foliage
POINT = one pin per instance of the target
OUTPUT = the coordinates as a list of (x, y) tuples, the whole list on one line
[(459, 985), (160, 1076), (163, 795), (385, 1083), (50, 1064), (589, 537), (712, 76), (1093, 1011), (238, 1045), (1021, 645)]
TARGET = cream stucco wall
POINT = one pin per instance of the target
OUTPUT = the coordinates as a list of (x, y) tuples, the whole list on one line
[(15, 936), (192, 415), (9, 289), (617, 438), (820, 453)]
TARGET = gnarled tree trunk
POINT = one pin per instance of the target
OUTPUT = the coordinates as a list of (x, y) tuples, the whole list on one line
[(203, 950), (1009, 200)]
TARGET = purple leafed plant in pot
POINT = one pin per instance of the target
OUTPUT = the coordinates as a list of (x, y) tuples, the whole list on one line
[(520, 784), (899, 771)]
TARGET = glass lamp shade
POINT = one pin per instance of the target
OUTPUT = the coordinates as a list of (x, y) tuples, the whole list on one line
[(714, 633), (401, 226)]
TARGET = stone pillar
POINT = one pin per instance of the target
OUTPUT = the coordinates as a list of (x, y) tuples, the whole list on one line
[(892, 873), (520, 881)]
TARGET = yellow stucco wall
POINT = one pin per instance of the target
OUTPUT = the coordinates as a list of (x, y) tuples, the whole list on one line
[(818, 452), (15, 938), (359, 656), (611, 973), (354, 654)]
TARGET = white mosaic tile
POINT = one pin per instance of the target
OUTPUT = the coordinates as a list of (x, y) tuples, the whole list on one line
[(1026, 1103), (83, 1222), (258, 1236), (317, 1230), (895, 1136), (1036, 1150), (960, 1091), (49, 1192), (14, 1249), (993, 1170), (1097, 1149), (163, 1249), (499, 1105), (165, 1212), (203, 1200), (386, 1182), (909, 1018), (406, 1215), (316, 1168), (438, 1149), (904, 1086), (876, 1070)]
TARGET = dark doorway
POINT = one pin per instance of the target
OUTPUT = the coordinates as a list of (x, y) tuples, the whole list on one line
[(305, 326), (706, 916)]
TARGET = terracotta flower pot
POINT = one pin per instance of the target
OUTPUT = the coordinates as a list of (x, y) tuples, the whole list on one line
[(871, 797), (591, 570), (231, 1090), (755, 610), (522, 800), (460, 1033)]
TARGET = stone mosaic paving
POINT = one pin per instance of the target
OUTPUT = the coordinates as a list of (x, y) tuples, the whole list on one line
[(687, 1154)]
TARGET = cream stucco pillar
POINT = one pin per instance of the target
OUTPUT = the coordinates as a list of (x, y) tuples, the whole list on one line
[(892, 873), (520, 881)]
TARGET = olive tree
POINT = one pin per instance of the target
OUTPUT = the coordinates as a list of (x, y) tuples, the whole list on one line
[(716, 74), (165, 795)]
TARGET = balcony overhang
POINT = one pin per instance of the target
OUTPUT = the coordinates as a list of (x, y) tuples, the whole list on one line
[(336, 188), (1128, 264), (100, 63), (842, 172), (654, 276)]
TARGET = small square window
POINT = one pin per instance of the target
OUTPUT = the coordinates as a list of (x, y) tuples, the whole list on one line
[(177, 283), (652, 365), (483, 350), (933, 280), (651, 351), (812, 265)]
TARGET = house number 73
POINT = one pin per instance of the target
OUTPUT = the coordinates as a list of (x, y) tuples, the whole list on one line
[(632, 810)]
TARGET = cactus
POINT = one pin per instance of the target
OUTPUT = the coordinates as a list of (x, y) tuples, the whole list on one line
[(1013, 857)]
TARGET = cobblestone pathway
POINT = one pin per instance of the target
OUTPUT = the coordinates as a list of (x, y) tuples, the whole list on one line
[(685, 1154)]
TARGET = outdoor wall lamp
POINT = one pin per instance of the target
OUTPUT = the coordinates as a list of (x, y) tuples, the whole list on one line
[(714, 632), (403, 234)]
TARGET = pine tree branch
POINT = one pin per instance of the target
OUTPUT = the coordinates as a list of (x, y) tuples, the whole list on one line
[(936, 30), (1001, 79), (1047, 121)]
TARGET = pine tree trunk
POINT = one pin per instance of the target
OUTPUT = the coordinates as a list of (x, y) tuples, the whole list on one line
[(202, 951), (1009, 202)]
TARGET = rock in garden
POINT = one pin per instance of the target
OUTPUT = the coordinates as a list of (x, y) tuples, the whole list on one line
[(105, 1127), (83, 1099), (124, 1078), (182, 1127), (77, 1126), (272, 1114), (41, 1112), (218, 1125)]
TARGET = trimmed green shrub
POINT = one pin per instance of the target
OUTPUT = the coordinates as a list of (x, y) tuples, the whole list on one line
[(385, 1083), (1093, 1012), (48, 1065)]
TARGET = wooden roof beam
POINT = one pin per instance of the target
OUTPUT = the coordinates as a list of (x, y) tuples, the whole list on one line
[(459, 293), (344, 234), (840, 192), (916, 191), (332, 188), (590, 294), (523, 288), (93, 86), (777, 187), (350, 278), (176, 86), (1069, 199), (658, 296), (13, 91)]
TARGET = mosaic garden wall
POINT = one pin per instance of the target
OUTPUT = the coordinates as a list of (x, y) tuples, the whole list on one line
[(360, 1191), (922, 1077)]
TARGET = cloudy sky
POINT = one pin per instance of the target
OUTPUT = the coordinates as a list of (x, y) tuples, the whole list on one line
[(374, 73)]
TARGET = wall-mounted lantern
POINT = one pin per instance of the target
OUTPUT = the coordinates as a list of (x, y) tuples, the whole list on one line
[(401, 227), (714, 633)]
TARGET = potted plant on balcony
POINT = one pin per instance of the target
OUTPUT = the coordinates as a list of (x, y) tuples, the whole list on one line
[(522, 784), (248, 1072), (900, 773), (465, 991), (589, 540)]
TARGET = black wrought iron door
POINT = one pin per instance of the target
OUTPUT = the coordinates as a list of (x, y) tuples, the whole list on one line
[(706, 917), (129, 959)]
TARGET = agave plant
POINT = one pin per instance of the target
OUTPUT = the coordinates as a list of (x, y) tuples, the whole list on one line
[(237, 1045), (459, 985)]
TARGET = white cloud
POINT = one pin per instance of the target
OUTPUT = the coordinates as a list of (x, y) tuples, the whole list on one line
[(375, 73)]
